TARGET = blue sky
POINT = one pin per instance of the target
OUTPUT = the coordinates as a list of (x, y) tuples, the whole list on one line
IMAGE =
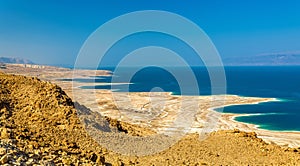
[(53, 31)]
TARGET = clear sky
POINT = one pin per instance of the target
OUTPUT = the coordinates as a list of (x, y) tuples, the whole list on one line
[(53, 31)]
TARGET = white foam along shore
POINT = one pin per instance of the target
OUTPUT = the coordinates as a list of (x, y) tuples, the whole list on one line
[(233, 116), (226, 120), (282, 138)]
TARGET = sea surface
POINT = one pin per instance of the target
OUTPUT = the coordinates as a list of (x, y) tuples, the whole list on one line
[(281, 82)]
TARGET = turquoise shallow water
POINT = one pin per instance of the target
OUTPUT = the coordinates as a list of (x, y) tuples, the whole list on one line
[(275, 82)]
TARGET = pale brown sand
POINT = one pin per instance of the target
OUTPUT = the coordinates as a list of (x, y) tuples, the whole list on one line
[(40, 126), (158, 110), (161, 116)]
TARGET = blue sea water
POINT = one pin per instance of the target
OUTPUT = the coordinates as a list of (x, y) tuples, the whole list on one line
[(281, 82)]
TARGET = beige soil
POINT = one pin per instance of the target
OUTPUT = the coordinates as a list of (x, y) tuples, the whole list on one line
[(40, 125)]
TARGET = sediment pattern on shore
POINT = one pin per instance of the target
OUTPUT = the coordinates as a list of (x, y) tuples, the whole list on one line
[(39, 125)]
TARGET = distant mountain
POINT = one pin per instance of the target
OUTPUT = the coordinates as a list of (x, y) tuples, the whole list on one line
[(271, 59), (15, 60)]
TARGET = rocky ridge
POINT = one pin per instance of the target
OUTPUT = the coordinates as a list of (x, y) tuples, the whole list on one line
[(39, 126)]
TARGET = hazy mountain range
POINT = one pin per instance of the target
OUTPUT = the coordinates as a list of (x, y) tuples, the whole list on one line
[(15, 60), (268, 59)]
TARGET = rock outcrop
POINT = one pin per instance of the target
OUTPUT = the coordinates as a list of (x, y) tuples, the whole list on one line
[(39, 125)]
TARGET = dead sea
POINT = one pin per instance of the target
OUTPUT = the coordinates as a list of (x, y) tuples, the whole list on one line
[(164, 107)]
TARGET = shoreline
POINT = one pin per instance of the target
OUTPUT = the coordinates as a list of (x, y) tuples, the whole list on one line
[(47, 129), (226, 120), (282, 138)]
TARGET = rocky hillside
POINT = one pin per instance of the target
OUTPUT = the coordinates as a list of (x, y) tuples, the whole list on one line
[(39, 125)]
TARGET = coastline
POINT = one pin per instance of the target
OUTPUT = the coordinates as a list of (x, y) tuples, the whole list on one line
[(225, 122), (282, 138)]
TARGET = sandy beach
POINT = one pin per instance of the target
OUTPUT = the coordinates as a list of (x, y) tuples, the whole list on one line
[(41, 124), (158, 110)]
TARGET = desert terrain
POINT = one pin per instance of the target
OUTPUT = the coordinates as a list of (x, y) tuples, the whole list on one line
[(41, 124)]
